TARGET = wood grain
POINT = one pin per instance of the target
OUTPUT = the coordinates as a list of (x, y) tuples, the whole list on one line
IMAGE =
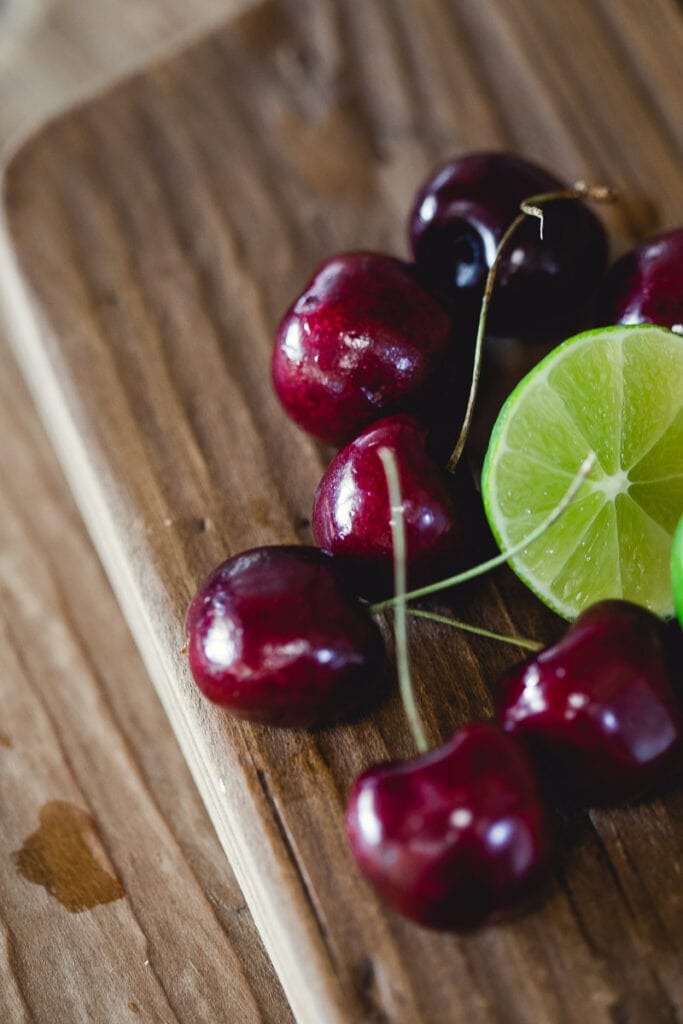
[(160, 232), (81, 724), (49, 53)]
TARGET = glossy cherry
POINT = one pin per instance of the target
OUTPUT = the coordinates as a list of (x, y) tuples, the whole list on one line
[(365, 338), (459, 218), (455, 837), (275, 635), (645, 286), (351, 512), (598, 709)]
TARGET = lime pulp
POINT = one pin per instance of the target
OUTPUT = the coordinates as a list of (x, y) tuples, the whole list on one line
[(617, 392)]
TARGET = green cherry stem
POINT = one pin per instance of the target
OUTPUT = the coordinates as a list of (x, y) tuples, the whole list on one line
[(516, 641), (493, 563), (398, 537), (531, 207)]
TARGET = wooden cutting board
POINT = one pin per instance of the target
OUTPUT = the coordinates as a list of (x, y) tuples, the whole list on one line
[(104, 841), (159, 233)]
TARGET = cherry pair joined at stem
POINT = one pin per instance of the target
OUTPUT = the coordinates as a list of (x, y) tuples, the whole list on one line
[(371, 335), (350, 509), (461, 835), (278, 635)]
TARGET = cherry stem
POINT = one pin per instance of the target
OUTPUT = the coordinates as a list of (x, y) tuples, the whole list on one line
[(516, 641), (493, 563), (398, 538), (531, 207)]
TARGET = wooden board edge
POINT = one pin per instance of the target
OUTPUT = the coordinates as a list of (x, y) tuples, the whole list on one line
[(293, 942)]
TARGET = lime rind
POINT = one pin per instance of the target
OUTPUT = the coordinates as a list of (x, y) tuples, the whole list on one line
[(677, 570), (615, 539)]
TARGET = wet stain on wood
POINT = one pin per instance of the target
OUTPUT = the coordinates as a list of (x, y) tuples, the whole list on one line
[(261, 512), (65, 856)]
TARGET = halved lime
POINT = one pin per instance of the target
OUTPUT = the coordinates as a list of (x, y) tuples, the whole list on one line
[(616, 391), (677, 570)]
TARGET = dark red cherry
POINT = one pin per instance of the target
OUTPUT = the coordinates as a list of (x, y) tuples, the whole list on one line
[(598, 709), (351, 513), (363, 339), (275, 635), (455, 837), (459, 218), (645, 286)]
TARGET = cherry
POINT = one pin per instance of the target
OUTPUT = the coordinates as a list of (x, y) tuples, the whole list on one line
[(458, 220), (598, 709), (645, 285), (351, 513), (455, 837), (276, 635), (365, 338)]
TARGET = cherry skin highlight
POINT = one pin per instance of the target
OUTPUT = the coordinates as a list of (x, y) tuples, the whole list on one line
[(455, 837), (645, 286), (276, 635), (351, 512), (458, 220), (365, 338), (598, 709)]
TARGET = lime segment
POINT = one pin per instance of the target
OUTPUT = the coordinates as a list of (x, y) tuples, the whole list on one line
[(618, 392)]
